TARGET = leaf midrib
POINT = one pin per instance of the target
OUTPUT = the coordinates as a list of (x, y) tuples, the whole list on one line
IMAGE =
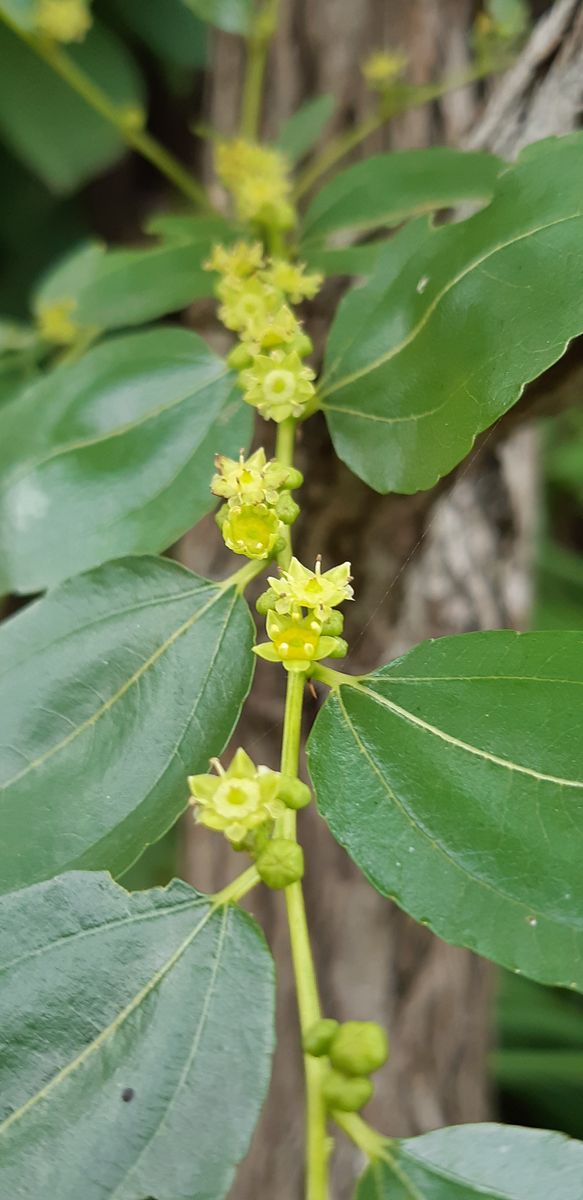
[(121, 691), (410, 337), (113, 1026)]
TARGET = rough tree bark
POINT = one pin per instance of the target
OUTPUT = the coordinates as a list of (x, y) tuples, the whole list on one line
[(445, 562)]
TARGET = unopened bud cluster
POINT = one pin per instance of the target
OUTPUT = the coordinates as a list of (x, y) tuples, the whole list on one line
[(354, 1050), (63, 20), (303, 623), (258, 503), (258, 179), (383, 68), (242, 803), (255, 296)]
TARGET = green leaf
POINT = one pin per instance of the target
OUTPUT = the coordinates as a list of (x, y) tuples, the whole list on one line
[(388, 188), (112, 455), (454, 779), (114, 688), (140, 1035), (170, 30), (117, 288), (21, 12), (50, 128), (303, 129), (360, 259), (420, 361), (477, 1162), (234, 16)]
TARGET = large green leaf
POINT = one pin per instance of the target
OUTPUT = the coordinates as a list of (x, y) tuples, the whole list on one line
[(388, 188), (116, 288), (454, 778), (112, 455), (478, 1162), (420, 361), (21, 13), (113, 689), (234, 16), (138, 1033), (50, 128), (170, 29), (303, 129)]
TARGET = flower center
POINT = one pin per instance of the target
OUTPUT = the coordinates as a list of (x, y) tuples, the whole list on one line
[(279, 385)]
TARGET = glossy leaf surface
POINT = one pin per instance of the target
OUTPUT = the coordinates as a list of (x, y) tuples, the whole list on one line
[(478, 1162), (457, 787), (113, 689), (115, 288), (423, 358), (120, 1079), (47, 126), (386, 189), (112, 455)]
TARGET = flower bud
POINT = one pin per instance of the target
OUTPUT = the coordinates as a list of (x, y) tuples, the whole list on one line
[(264, 603), (359, 1047), (293, 792), (281, 863), (239, 357), (339, 649), (334, 623), (287, 509), (317, 1038), (346, 1094)]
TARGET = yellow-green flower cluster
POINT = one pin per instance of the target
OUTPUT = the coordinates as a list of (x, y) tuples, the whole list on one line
[(243, 801), (63, 20), (258, 503), (255, 300), (258, 179), (383, 68), (302, 622), (56, 323)]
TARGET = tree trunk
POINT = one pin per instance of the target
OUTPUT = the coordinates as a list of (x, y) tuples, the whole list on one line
[(448, 561)]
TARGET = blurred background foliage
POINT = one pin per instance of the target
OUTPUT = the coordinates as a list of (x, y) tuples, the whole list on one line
[(67, 176)]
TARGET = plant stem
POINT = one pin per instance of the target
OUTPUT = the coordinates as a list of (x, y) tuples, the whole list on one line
[(237, 888), (303, 962), (369, 1140), (242, 578), (99, 101), (257, 45), (284, 452), (408, 98)]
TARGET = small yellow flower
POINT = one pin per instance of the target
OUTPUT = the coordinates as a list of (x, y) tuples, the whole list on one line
[(252, 480), (298, 587), (278, 385), (277, 328), (252, 529), (382, 68), (63, 20), (237, 801), (235, 262), (291, 278), (247, 304), (297, 642), (55, 321)]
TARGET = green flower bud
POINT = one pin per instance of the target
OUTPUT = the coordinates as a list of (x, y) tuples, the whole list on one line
[(281, 863), (294, 479), (265, 602), (287, 509), (317, 1038), (293, 792), (339, 649), (239, 357), (221, 515), (334, 623), (345, 1094), (303, 345), (359, 1047)]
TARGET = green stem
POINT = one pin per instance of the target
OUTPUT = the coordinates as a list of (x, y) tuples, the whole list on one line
[(243, 577), (302, 959), (257, 45), (372, 1143), (408, 98), (284, 452), (237, 888), (99, 101)]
